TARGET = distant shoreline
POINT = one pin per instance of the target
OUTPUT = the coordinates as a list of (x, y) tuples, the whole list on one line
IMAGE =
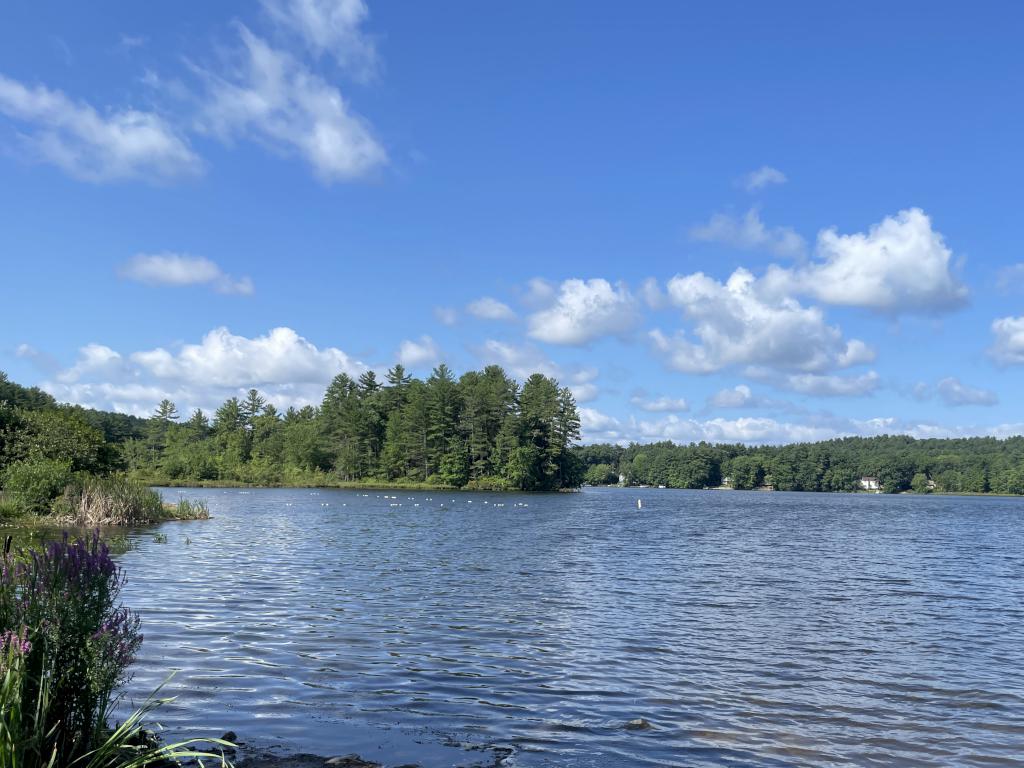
[(358, 485)]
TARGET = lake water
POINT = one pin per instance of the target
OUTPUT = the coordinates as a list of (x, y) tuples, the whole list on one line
[(753, 629)]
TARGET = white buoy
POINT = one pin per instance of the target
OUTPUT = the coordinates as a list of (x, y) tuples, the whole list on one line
[(639, 504)]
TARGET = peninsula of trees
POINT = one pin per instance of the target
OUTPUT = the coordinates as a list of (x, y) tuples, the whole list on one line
[(481, 430)]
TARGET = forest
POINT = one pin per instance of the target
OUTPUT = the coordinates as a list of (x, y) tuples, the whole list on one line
[(481, 430), (900, 463)]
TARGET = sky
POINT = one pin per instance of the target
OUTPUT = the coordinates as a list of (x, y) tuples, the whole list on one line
[(725, 221)]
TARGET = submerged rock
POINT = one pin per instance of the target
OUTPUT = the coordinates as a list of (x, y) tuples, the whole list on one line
[(638, 725), (350, 761)]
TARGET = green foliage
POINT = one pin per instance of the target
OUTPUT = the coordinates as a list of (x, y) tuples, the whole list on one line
[(61, 435), (33, 484), (601, 474), (476, 431)]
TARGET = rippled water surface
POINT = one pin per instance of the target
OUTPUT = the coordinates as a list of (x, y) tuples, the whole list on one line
[(748, 629)]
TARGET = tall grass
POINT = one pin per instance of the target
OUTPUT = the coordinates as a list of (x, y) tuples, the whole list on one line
[(188, 510), (116, 500)]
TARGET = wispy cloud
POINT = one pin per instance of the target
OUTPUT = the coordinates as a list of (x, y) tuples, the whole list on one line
[(749, 233), (175, 269), (763, 177), (332, 27), (487, 308), (273, 98), (93, 146)]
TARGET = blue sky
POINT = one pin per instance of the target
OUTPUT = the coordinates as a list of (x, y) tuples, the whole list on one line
[(724, 221)]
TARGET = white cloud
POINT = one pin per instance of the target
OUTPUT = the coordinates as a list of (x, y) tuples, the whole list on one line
[(521, 361), (1008, 348), (93, 359), (751, 430), (95, 147), (333, 27), (829, 385), (660, 404), (274, 99), (739, 396), (414, 354), (287, 368), (601, 427), (175, 269), (762, 177), (736, 325), (446, 315), (584, 393), (955, 393), (749, 233), (585, 310), (899, 265), (487, 308)]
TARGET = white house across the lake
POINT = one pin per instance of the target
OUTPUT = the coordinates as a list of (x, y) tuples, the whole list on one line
[(870, 484)]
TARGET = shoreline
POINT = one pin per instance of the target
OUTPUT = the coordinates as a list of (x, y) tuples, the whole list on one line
[(344, 485)]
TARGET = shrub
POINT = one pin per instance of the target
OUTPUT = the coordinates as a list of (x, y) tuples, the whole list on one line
[(9, 508), (60, 605), (115, 500), (65, 648), (33, 484)]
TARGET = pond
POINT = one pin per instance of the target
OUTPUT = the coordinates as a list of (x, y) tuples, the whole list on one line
[(745, 628)]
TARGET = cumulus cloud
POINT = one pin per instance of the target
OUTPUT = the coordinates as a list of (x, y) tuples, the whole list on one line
[(900, 265), (273, 98), (1008, 346), (585, 310), (749, 233), (954, 393), (487, 308), (762, 177), (174, 269), (92, 146), (601, 427), (287, 368), (660, 404), (734, 324), (332, 27), (414, 354)]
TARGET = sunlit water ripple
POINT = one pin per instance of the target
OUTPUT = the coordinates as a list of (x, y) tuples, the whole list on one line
[(748, 629)]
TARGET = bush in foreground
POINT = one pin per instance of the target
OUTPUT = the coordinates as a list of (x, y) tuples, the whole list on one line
[(32, 485), (66, 645)]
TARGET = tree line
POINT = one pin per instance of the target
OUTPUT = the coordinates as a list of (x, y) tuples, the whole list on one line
[(480, 430), (899, 463)]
